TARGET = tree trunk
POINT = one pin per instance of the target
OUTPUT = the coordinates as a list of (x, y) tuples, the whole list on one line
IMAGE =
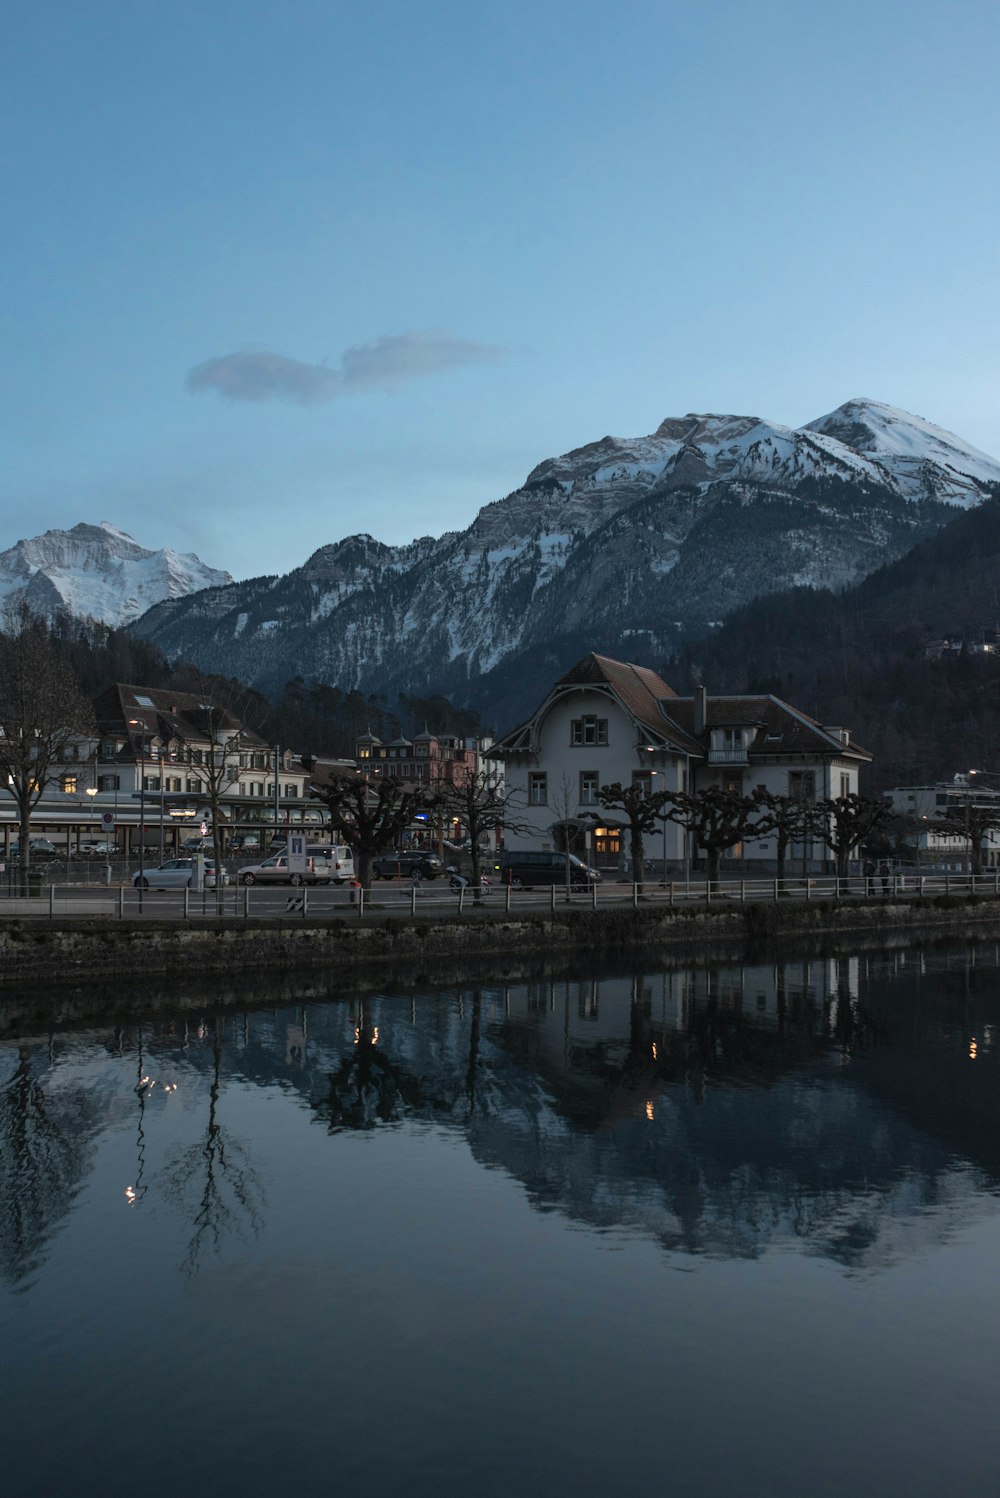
[(24, 836), (713, 858), (638, 859)]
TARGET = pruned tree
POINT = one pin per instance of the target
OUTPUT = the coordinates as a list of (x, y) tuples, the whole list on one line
[(43, 716), (641, 810), (717, 819), (965, 818), (844, 823), (790, 818), (371, 813), (481, 802)]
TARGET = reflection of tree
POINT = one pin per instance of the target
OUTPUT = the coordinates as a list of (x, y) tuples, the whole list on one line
[(368, 1088), (41, 1162), (215, 1181)]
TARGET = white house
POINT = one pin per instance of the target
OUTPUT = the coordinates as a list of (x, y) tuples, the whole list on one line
[(607, 721)]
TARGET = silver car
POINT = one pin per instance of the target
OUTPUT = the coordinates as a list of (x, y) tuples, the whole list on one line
[(274, 870), (176, 873)]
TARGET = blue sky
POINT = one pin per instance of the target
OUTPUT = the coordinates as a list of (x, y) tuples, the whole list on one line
[(279, 272)]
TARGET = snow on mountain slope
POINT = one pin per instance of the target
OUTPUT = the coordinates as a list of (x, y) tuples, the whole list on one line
[(924, 460), (99, 572), (624, 544)]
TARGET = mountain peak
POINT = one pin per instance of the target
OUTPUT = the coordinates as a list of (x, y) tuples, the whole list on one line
[(98, 572)]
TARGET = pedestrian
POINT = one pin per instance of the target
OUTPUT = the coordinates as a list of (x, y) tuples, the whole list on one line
[(869, 873), (885, 874)]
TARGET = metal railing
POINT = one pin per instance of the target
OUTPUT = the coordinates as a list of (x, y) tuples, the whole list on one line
[(80, 898)]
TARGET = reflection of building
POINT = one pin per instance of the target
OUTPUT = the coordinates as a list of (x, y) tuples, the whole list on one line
[(607, 721)]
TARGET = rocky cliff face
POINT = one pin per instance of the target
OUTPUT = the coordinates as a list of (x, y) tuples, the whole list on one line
[(625, 545), (98, 572)]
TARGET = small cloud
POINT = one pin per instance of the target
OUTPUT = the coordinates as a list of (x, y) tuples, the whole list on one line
[(260, 375)]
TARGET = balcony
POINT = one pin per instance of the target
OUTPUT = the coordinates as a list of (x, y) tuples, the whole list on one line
[(727, 757)]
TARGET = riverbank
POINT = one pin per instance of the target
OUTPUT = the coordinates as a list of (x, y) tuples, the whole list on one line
[(34, 951)]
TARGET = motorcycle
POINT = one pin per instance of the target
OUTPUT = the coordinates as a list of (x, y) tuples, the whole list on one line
[(458, 881)]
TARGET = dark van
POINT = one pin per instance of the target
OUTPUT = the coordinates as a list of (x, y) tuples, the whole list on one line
[(526, 869)]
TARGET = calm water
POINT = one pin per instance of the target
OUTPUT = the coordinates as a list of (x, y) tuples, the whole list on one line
[(731, 1230)]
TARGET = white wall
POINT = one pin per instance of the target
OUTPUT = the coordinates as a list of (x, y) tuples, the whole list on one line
[(562, 762)]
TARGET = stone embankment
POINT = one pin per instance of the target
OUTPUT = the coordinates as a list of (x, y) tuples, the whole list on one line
[(95, 950)]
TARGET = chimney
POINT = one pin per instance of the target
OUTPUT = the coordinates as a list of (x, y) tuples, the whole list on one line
[(700, 709)]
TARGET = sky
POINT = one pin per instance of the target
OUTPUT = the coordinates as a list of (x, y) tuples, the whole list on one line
[(279, 271)]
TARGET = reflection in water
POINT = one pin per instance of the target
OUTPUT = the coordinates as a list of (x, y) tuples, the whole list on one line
[(214, 1182), (425, 1243), (716, 1109)]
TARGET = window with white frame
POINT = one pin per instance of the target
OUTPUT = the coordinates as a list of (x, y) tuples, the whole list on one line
[(538, 788), (587, 731), (643, 782), (589, 782)]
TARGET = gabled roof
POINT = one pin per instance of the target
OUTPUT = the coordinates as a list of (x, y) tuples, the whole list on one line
[(639, 690), (152, 712), (780, 728)]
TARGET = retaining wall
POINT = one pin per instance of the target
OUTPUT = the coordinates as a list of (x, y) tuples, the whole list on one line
[(93, 951)]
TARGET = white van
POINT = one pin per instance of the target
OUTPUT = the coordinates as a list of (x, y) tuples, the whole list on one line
[(338, 857)]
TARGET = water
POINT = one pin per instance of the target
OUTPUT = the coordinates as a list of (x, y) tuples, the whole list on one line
[(726, 1230)]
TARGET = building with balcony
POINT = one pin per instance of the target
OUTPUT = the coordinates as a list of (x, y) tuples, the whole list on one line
[(608, 721)]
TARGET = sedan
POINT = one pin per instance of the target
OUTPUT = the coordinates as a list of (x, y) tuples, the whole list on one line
[(176, 873)]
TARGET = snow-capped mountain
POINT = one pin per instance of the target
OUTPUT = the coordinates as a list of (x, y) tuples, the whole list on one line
[(99, 572), (625, 545)]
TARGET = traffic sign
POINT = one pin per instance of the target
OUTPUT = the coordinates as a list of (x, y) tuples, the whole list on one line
[(107, 820)]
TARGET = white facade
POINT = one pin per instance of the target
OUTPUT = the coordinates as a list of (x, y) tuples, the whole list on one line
[(607, 721)]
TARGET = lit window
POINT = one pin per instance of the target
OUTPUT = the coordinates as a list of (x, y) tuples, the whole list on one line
[(69, 785)]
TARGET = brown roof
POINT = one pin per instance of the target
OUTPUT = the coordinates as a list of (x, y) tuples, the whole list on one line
[(781, 728), (167, 714)]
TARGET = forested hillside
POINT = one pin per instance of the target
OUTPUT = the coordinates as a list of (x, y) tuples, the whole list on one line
[(858, 658)]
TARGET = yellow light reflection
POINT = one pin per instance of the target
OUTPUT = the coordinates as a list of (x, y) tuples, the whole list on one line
[(973, 1049), (654, 1050), (649, 1110), (130, 1195)]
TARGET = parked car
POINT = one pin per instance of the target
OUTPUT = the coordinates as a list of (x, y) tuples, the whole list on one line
[(274, 870), (413, 863), (339, 859), (526, 869), (96, 847), (177, 873), (40, 850), (244, 842)]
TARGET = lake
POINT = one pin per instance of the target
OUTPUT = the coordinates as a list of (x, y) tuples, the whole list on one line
[(724, 1229)]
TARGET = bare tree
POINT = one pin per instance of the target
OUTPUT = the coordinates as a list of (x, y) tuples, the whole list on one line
[(718, 819), (371, 813), (43, 716), (642, 810), (843, 823), (966, 818), (223, 725), (480, 802), (792, 820)]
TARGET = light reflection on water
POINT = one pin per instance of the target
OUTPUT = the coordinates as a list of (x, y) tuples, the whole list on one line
[(726, 1229)]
